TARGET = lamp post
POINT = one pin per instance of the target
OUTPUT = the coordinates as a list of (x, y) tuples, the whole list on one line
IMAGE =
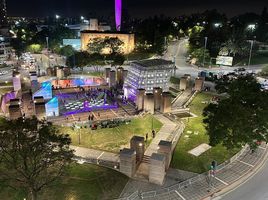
[(47, 38), (206, 40), (250, 52)]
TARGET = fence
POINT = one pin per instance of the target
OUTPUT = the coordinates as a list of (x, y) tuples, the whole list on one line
[(101, 162)]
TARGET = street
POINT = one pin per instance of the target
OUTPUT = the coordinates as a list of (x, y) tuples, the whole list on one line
[(255, 188)]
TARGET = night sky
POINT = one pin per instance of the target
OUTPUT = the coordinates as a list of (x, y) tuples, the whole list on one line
[(136, 8)]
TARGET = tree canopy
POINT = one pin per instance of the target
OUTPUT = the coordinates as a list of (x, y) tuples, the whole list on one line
[(241, 117), (33, 154), (107, 45)]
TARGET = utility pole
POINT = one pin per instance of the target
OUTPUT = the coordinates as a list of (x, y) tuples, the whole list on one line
[(206, 40), (250, 52)]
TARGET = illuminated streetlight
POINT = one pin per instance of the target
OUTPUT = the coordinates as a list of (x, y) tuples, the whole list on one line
[(217, 25), (57, 16), (82, 18), (251, 27)]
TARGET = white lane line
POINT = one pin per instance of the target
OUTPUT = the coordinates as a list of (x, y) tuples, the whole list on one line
[(100, 155), (245, 163), (180, 195), (221, 181)]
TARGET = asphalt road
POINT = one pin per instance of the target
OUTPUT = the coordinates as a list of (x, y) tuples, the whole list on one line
[(177, 51), (255, 188)]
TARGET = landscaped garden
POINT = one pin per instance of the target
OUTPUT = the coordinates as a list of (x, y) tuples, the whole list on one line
[(82, 182), (113, 139), (195, 135)]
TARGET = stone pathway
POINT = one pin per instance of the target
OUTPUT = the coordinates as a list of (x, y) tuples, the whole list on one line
[(165, 133)]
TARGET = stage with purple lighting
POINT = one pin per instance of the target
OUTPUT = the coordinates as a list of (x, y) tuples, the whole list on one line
[(85, 101)]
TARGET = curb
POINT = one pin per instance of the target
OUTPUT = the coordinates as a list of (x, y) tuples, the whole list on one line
[(239, 182)]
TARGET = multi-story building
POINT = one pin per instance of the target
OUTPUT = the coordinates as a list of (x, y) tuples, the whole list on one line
[(5, 50), (148, 74)]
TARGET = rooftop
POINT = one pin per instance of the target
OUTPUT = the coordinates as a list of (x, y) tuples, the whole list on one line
[(153, 62), (106, 32)]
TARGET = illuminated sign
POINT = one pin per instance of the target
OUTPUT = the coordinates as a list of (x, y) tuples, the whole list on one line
[(224, 60)]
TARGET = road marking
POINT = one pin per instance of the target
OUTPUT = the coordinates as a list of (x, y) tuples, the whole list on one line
[(180, 195), (100, 155), (245, 163), (221, 181)]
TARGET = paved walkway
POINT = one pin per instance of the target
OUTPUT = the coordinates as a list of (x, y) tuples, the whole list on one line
[(165, 133), (92, 156)]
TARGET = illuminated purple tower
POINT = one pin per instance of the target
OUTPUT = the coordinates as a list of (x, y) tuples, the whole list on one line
[(118, 14)]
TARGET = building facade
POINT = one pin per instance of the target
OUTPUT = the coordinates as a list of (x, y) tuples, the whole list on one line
[(148, 74), (127, 38), (5, 50)]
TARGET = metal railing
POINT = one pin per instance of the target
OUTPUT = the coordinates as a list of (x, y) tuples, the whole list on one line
[(101, 162)]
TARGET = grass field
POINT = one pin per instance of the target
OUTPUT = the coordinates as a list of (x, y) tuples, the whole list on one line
[(82, 182), (185, 161), (113, 139)]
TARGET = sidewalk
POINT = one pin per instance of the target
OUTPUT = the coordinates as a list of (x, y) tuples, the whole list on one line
[(165, 133), (92, 156)]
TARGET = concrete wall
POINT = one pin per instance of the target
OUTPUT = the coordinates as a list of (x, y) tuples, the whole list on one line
[(128, 162), (157, 169), (157, 97), (165, 103), (149, 103), (138, 145), (140, 99)]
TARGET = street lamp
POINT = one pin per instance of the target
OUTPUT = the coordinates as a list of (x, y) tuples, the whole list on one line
[(206, 40), (82, 18), (250, 52), (57, 16)]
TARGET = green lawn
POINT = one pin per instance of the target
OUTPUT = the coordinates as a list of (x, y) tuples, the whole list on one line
[(82, 182), (113, 139), (185, 161)]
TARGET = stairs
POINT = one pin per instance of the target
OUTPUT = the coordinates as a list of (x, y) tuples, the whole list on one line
[(146, 159)]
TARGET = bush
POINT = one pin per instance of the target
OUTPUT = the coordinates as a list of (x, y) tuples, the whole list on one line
[(264, 71)]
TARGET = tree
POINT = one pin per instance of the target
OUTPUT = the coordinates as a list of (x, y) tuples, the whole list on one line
[(117, 59), (241, 117), (107, 45), (34, 48), (198, 54), (78, 59), (33, 154), (67, 51)]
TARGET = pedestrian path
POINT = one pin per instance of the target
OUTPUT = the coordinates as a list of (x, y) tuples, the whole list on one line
[(92, 156), (165, 133)]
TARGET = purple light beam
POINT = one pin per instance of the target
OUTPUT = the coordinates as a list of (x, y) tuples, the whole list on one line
[(118, 14)]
